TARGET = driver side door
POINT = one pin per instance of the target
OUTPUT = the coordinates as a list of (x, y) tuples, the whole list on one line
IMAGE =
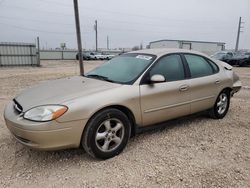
[(167, 100)]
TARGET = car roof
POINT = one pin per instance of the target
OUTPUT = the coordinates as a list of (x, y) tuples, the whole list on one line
[(163, 51)]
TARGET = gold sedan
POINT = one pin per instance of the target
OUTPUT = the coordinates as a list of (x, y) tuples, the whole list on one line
[(103, 108)]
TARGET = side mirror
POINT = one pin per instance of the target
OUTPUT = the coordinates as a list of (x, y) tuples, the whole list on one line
[(157, 78)]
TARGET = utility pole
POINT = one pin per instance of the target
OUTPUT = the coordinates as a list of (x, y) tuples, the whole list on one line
[(238, 35), (141, 46), (38, 52), (107, 42), (78, 34), (96, 40)]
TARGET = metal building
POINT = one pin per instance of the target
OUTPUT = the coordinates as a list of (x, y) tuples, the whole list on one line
[(15, 54), (208, 48)]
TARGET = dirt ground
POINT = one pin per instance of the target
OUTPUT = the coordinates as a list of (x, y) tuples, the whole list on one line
[(191, 152)]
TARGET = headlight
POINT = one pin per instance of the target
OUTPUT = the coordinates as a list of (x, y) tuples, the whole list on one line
[(45, 113)]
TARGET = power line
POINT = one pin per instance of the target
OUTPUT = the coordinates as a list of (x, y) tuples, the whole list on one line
[(37, 30), (34, 20), (89, 32), (110, 20), (86, 8), (39, 10), (144, 31), (68, 24), (42, 31)]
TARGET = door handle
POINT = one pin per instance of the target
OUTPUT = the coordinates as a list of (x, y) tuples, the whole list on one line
[(183, 88), (217, 82)]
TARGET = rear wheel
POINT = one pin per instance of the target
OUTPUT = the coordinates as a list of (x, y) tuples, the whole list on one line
[(106, 134), (221, 105)]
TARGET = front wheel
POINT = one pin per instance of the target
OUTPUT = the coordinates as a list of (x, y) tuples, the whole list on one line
[(106, 134), (221, 105)]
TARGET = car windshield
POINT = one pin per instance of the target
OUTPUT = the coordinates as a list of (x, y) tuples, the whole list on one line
[(122, 69), (219, 55)]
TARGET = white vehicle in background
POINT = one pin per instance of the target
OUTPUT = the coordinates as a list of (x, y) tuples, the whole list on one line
[(109, 56), (92, 56), (102, 56), (99, 56), (95, 56)]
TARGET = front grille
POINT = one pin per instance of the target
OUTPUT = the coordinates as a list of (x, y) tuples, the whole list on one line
[(18, 107)]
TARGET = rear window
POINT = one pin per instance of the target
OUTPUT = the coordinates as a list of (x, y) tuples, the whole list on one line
[(198, 66)]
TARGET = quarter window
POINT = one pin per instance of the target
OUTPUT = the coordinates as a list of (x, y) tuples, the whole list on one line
[(170, 67), (215, 67), (198, 66)]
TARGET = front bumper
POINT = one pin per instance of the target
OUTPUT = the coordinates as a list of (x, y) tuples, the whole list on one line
[(50, 135)]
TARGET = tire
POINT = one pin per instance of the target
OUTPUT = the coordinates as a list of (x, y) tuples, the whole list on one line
[(221, 105), (113, 128)]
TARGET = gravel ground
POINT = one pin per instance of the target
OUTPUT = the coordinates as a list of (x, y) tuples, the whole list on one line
[(190, 152)]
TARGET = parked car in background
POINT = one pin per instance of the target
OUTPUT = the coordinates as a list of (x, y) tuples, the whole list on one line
[(95, 56), (103, 108), (103, 56), (246, 60), (107, 56), (99, 56), (86, 56), (241, 59), (110, 56), (225, 56)]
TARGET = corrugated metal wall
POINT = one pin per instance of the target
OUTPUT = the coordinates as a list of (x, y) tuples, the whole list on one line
[(58, 54), (16, 54)]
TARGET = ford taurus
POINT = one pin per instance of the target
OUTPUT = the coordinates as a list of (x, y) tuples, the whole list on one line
[(103, 108)]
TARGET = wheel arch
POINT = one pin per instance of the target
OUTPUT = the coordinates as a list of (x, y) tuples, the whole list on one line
[(228, 90), (123, 109)]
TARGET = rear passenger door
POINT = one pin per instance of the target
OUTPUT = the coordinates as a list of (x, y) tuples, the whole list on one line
[(204, 82)]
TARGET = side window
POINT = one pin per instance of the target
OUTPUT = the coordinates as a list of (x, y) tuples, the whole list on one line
[(170, 67), (198, 66), (215, 67)]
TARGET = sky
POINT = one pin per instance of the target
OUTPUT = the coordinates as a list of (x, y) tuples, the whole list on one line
[(127, 23)]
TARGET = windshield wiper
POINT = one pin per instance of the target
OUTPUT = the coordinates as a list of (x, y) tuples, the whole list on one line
[(99, 77)]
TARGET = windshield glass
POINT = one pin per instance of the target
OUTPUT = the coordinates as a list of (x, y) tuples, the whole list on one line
[(122, 69), (219, 55)]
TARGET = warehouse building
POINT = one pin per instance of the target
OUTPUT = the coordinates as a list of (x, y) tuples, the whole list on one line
[(208, 48)]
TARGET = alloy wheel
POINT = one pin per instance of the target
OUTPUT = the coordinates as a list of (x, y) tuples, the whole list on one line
[(109, 135), (222, 103)]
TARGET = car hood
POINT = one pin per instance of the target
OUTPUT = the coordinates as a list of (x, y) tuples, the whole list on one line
[(61, 90)]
